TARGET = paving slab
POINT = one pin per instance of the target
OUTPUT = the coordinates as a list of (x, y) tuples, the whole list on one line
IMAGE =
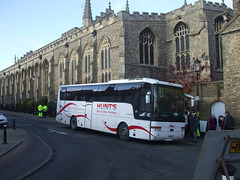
[(14, 138)]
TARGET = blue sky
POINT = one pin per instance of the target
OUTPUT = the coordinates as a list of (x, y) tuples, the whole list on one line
[(30, 24)]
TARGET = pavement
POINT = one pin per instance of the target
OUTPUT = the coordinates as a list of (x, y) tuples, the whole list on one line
[(14, 138), (23, 152), (21, 140), (17, 136)]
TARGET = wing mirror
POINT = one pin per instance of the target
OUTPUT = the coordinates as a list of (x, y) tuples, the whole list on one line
[(148, 97)]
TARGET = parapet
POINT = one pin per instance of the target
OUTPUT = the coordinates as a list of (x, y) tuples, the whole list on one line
[(104, 15), (145, 16), (70, 32), (197, 6), (214, 6)]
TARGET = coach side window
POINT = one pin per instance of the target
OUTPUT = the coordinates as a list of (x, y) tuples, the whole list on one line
[(109, 94), (144, 107), (77, 94), (62, 93), (126, 92), (90, 93), (65, 94)]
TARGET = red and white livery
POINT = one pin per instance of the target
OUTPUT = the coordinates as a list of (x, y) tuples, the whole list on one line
[(138, 108)]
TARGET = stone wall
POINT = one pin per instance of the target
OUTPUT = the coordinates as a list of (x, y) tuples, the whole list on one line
[(200, 21), (131, 35), (230, 50), (209, 93)]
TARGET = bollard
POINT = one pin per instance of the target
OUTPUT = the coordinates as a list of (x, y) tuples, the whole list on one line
[(5, 134), (14, 125)]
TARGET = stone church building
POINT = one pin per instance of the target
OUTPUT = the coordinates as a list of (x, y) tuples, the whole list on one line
[(131, 45), (230, 37)]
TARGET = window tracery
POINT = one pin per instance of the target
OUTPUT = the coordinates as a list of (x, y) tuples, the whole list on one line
[(45, 78), (182, 46), (61, 68), (105, 60), (73, 67), (218, 26), (87, 64), (146, 47)]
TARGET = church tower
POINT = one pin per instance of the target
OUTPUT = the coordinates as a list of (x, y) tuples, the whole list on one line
[(87, 16)]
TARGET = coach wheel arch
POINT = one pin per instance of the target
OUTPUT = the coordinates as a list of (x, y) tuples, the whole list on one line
[(123, 131), (73, 123)]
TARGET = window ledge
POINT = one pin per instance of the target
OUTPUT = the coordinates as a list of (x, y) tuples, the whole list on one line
[(147, 65), (219, 70)]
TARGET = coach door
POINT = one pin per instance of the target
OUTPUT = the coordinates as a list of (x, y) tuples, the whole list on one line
[(89, 92), (88, 115), (61, 104)]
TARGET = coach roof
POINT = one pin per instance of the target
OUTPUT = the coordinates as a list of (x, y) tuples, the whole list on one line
[(149, 80), (133, 80)]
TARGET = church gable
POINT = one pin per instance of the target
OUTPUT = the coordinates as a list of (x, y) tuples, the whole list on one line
[(232, 25)]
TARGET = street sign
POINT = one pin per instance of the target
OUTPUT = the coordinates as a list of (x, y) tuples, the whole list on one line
[(235, 147), (196, 98)]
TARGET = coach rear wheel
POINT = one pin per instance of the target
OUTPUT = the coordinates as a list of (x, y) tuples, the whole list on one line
[(73, 123), (123, 132)]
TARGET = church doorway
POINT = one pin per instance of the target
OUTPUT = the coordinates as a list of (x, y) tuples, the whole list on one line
[(218, 109)]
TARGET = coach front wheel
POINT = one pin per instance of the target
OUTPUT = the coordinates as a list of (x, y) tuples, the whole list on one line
[(123, 132)]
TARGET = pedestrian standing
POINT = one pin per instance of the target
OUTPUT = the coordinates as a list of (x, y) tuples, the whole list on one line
[(221, 121), (45, 108), (40, 111), (229, 123), (212, 122), (193, 126)]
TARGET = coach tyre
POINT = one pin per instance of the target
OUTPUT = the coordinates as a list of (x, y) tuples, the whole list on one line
[(123, 132), (73, 123)]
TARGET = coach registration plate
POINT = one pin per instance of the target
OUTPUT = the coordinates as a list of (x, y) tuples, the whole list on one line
[(235, 147)]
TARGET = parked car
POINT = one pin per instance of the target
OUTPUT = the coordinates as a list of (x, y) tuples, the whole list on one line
[(3, 120)]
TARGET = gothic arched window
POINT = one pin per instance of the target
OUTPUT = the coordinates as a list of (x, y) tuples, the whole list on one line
[(219, 23), (28, 80), (73, 67), (188, 65), (45, 78), (178, 63), (36, 67), (105, 60), (182, 46), (87, 76), (146, 47), (218, 26), (61, 69)]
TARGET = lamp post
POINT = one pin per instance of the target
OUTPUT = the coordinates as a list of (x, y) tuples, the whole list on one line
[(197, 68)]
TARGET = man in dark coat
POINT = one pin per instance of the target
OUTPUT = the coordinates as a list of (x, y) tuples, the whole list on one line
[(193, 126), (229, 123)]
